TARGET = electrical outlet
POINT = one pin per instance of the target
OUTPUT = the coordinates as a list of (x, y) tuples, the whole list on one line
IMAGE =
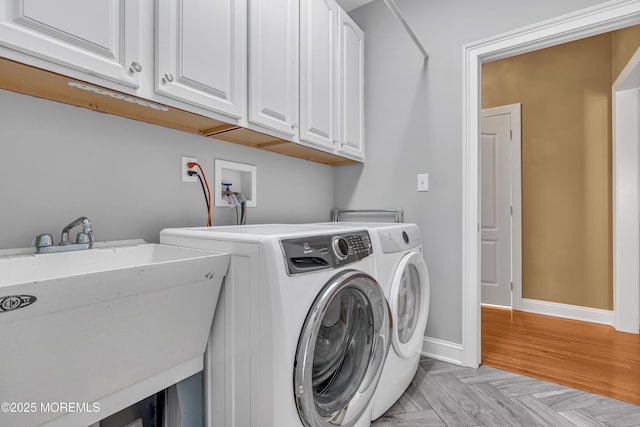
[(423, 182), (185, 169)]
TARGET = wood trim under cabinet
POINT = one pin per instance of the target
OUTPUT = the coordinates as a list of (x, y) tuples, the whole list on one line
[(28, 80), (33, 81), (308, 153)]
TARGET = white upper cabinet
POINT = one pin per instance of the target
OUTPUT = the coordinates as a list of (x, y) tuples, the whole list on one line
[(319, 72), (351, 84), (273, 65), (331, 79), (201, 53), (98, 37), (291, 69)]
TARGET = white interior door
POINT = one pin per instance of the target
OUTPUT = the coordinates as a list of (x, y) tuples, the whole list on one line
[(497, 203)]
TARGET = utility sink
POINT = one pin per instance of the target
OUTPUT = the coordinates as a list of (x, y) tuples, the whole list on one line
[(85, 334)]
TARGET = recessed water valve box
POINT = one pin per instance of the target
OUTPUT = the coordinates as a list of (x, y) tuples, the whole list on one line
[(242, 178)]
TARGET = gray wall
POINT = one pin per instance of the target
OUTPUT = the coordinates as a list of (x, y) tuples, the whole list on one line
[(58, 162), (414, 124)]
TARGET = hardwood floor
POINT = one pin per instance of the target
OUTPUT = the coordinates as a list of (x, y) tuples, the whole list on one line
[(586, 356)]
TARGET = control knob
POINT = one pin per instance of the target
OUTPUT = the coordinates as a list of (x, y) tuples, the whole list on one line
[(340, 248)]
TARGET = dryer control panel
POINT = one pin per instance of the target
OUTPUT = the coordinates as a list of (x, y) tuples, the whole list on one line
[(313, 253)]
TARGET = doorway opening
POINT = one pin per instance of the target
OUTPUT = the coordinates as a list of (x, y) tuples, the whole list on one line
[(605, 17)]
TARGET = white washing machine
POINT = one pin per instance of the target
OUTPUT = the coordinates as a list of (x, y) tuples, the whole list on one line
[(301, 330), (403, 274)]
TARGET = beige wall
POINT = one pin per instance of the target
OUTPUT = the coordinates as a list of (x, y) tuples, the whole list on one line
[(623, 45), (565, 92)]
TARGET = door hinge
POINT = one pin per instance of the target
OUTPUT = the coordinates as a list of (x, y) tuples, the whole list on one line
[(511, 210), (511, 135), (511, 286)]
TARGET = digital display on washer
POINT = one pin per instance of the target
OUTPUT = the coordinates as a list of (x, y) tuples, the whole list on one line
[(313, 253)]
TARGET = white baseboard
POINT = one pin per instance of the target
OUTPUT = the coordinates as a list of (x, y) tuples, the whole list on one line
[(586, 314), (442, 350)]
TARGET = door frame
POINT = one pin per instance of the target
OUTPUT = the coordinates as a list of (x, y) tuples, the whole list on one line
[(598, 19), (514, 111), (625, 103)]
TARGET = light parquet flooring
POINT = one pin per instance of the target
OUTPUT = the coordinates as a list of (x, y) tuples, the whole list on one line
[(536, 371), (443, 394)]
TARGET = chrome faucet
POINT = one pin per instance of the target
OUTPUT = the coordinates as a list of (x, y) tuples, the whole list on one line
[(85, 236), (84, 239)]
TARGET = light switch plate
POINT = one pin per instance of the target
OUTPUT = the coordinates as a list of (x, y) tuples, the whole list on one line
[(423, 182)]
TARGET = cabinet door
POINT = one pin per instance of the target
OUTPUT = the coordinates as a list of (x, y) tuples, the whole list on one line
[(318, 72), (201, 51), (351, 112), (99, 37), (273, 64)]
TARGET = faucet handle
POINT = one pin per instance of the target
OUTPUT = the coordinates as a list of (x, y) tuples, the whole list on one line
[(42, 240), (83, 237)]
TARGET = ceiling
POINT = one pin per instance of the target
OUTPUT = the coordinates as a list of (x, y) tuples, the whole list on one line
[(349, 5)]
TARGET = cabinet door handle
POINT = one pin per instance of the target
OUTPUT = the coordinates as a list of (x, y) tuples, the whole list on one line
[(135, 67), (294, 126), (168, 78)]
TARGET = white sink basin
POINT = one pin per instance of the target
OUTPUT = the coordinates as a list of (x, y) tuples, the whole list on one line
[(109, 326)]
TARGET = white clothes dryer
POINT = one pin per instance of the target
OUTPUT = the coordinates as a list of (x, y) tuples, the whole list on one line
[(403, 275), (301, 330)]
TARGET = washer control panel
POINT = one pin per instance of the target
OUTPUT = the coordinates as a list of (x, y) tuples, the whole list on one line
[(313, 253)]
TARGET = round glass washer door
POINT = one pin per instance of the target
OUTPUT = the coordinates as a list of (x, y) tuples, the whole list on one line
[(409, 304), (341, 351)]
